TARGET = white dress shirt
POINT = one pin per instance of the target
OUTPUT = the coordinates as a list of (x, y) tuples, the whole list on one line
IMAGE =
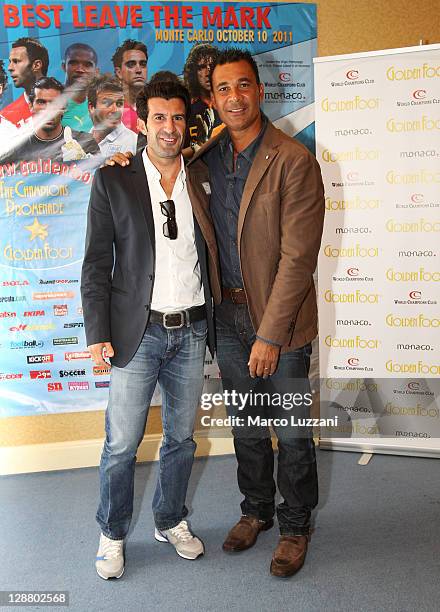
[(120, 140), (178, 283)]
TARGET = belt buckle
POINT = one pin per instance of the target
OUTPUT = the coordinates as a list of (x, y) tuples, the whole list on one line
[(181, 313), (233, 292)]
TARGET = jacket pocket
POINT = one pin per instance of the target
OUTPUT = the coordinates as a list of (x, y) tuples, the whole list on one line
[(119, 291)]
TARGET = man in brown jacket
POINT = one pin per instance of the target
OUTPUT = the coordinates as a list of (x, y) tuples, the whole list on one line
[(267, 207)]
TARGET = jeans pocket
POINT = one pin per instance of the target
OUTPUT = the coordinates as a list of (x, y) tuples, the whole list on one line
[(307, 349), (200, 328)]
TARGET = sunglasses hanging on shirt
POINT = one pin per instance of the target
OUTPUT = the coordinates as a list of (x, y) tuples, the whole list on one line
[(170, 226)]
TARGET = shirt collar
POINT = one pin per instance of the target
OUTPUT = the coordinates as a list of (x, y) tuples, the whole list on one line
[(249, 153), (153, 171)]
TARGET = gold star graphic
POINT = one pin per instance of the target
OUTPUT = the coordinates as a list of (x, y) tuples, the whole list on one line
[(37, 230)]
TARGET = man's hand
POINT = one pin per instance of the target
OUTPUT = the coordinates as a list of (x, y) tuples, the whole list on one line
[(97, 350), (122, 159), (264, 359)]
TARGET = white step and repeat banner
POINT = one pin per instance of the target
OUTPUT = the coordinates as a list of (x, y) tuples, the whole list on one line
[(378, 144)]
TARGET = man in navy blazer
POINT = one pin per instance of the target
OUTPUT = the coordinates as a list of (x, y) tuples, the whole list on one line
[(147, 302)]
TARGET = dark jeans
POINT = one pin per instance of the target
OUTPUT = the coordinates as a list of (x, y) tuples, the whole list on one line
[(296, 477)]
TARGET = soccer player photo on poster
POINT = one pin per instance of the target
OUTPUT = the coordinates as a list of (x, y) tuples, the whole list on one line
[(69, 77)]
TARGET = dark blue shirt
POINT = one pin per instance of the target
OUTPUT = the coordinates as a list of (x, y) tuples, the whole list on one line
[(227, 186)]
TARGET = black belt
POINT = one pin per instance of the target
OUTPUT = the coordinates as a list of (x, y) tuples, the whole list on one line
[(181, 318)]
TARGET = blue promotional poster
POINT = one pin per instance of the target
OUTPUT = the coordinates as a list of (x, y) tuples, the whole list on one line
[(57, 62)]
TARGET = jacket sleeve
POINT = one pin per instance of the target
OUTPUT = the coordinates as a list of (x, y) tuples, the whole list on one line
[(96, 276), (301, 220)]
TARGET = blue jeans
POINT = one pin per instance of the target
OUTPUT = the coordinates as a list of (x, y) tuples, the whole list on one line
[(174, 358), (296, 476)]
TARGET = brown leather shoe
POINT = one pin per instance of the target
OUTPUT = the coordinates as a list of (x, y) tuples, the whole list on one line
[(289, 555), (244, 534)]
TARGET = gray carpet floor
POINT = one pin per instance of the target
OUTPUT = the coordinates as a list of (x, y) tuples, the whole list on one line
[(375, 545)]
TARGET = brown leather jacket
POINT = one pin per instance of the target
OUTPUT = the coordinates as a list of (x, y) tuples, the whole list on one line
[(279, 235)]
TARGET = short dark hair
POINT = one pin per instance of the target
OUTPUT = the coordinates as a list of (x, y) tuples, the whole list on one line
[(80, 47), (198, 52), (232, 55), (3, 75), (45, 83), (162, 89), (128, 45), (165, 75), (35, 51), (105, 82)]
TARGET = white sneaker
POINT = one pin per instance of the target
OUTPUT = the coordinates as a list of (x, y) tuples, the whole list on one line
[(186, 544), (110, 558)]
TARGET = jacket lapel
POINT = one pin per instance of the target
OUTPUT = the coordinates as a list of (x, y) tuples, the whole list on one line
[(140, 184), (266, 153), (198, 176), (198, 184)]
